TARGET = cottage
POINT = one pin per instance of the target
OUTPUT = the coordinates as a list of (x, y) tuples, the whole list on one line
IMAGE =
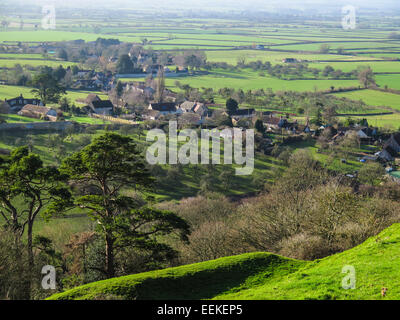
[(39, 112)]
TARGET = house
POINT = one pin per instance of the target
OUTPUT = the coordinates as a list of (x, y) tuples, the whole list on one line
[(367, 134), (82, 73), (87, 84), (194, 107), (142, 58), (394, 142), (17, 103), (272, 122), (182, 69), (202, 110), (151, 114), (153, 68), (243, 113), (187, 106), (163, 108), (103, 107), (39, 112), (289, 60), (141, 88), (388, 153)]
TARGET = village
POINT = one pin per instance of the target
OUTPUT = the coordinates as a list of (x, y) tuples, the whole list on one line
[(272, 128)]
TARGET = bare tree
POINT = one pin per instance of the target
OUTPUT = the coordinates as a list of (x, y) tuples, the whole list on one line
[(160, 85)]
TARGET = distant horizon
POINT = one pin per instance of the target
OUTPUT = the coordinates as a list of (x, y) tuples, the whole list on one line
[(211, 5)]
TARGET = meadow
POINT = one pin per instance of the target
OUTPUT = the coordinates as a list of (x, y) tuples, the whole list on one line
[(247, 79), (10, 63), (374, 98), (9, 92)]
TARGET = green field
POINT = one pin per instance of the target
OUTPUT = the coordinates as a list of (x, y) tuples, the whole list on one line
[(231, 56), (13, 118), (390, 121), (374, 98), (250, 80), (9, 92), (9, 63), (390, 80)]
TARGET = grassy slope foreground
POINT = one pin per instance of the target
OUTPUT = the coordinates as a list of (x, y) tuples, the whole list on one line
[(264, 276)]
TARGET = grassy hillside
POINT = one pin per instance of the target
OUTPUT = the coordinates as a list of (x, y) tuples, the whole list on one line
[(264, 276), (374, 98)]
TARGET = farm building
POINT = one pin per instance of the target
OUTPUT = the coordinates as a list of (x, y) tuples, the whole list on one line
[(103, 107), (163, 108)]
